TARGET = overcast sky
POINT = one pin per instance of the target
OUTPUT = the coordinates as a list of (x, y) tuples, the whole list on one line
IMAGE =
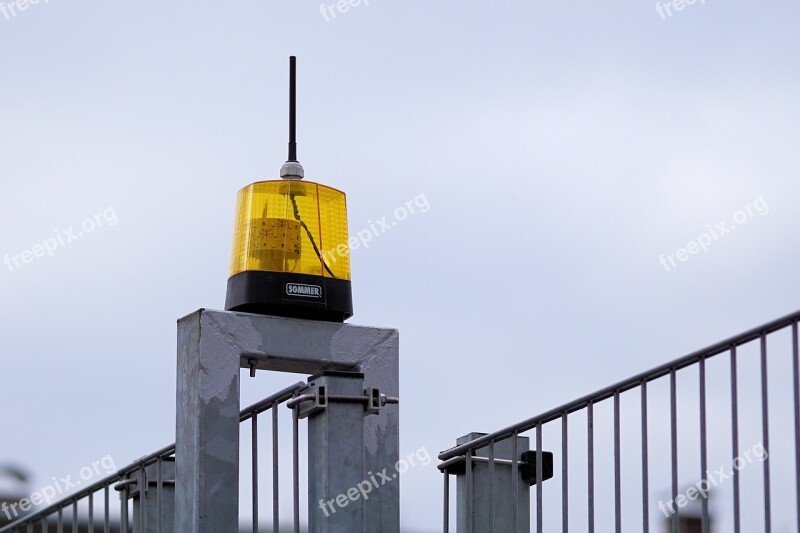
[(561, 148)]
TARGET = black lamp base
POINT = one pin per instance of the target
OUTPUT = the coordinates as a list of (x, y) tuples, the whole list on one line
[(290, 295)]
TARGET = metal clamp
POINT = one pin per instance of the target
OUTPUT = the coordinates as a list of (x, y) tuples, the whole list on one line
[(378, 400), (313, 400), (527, 465), (316, 398), (132, 487)]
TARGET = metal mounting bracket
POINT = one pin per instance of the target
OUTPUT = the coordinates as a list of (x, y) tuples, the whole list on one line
[(316, 398)]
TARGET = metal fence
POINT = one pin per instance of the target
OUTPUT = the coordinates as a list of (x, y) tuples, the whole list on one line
[(611, 461), (638, 455), (350, 404), (91, 510)]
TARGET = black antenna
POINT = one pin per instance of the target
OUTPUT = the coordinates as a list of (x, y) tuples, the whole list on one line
[(292, 109)]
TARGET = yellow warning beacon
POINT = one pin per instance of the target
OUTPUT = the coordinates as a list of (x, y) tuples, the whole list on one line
[(290, 243)]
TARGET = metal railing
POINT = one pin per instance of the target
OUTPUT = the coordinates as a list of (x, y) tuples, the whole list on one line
[(606, 414), (272, 404), (153, 510), (195, 484)]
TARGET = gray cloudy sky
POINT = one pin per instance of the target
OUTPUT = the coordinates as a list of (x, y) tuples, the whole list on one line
[(562, 147)]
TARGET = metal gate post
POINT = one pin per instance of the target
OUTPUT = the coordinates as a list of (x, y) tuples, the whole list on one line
[(207, 434), (213, 347), (478, 499), (153, 508), (336, 453)]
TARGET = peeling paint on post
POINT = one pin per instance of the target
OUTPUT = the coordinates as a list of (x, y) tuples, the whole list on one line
[(207, 438)]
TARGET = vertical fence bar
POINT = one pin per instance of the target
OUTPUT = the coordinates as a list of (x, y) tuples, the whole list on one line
[(159, 494), (124, 510), (296, 469), (276, 523), (539, 469), (515, 481), (91, 513), (142, 493), (446, 517), (796, 380), (470, 491), (617, 469), (60, 523), (106, 511), (590, 454), (74, 527), (254, 452), (765, 435), (735, 437), (491, 487), (645, 467), (703, 443), (564, 475), (673, 403)]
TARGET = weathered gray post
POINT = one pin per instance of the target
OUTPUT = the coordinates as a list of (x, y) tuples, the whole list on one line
[(153, 506), (336, 453), (491, 500), (213, 347)]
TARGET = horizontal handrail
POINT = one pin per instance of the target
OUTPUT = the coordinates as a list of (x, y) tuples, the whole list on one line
[(167, 451), (622, 386)]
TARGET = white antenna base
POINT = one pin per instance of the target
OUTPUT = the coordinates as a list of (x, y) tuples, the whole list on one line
[(292, 170)]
